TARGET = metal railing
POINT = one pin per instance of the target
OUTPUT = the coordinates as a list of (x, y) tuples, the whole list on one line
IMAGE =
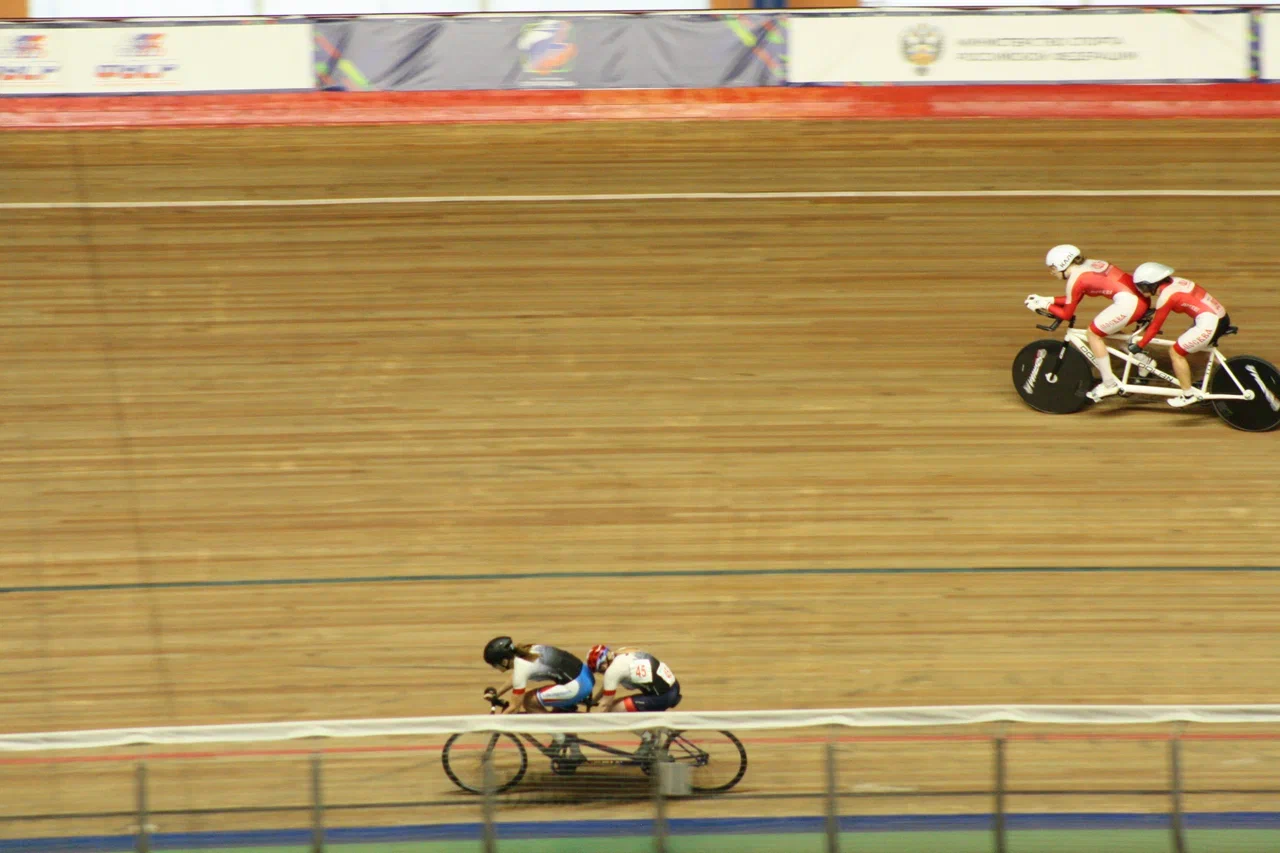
[(668, 784), (841, 770)]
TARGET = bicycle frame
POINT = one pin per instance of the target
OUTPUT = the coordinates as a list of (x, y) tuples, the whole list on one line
[(552, 750), (1079, 339)]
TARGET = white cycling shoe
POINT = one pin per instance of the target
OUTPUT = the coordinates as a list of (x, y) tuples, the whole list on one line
[(1190, 397), (1106, 389)]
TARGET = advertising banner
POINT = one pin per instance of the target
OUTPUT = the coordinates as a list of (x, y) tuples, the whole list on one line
[(89, 9), (983, 4), (139, 59), (1269, 44), (1015, 48), (590, 52), (31, 62)]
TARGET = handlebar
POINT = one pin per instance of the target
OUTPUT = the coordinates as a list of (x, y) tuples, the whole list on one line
[(1057, 321)]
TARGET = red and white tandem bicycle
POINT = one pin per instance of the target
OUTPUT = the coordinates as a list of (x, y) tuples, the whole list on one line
[(1054, 375)]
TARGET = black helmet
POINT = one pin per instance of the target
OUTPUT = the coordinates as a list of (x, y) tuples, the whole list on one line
[(499, 651)]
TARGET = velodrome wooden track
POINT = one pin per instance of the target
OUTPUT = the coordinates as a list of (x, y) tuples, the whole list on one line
[(222, 396)]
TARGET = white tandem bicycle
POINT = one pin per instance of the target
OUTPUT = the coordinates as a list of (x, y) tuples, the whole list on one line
[(1054, 376)]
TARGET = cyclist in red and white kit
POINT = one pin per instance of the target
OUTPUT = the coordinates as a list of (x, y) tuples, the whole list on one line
[(1185, 297), (1085, 277), (650, 683)]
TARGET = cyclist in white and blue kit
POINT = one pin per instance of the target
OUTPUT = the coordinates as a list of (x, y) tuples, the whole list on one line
[(571, 679)]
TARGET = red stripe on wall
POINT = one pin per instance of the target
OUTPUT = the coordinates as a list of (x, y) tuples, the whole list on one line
[(1095, 101)]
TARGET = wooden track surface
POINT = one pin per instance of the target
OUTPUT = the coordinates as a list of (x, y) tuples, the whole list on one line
[(468, 390)]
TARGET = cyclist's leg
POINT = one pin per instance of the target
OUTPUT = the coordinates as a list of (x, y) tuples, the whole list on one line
[(563, 697), (642, 702), (1192, 340), (645, 702), (1120, 313)]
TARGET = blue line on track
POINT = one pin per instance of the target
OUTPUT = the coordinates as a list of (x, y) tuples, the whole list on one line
[(658, 573), (618, 828)]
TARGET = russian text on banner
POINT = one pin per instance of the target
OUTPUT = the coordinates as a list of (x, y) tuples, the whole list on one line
[(1023, 47)]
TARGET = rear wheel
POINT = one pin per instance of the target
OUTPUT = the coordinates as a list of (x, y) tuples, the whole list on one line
[(718, 760), (1052, 376), (1260, 414)]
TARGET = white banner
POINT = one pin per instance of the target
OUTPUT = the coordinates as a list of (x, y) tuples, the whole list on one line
[(314, 8), (117, 60), (984, 4), (1269, 49), (999, 47)]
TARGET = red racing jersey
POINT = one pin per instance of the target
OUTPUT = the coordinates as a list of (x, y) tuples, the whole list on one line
[(1095, 278), (1184, 297)]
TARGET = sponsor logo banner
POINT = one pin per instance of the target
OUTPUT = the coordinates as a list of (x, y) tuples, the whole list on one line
[(29, 61), (1014, 48), (131, 59)]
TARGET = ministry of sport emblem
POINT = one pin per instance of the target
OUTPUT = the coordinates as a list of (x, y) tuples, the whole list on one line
[(922, 46)]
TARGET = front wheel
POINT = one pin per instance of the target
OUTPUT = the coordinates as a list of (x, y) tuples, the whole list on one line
[(1260, 414), (464, 757), (718, 759), (1052, 376)]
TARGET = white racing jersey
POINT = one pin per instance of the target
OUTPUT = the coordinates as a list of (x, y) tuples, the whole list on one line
[(636, 670), (552, 664)]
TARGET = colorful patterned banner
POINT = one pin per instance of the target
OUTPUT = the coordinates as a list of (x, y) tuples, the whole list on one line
[(589, 52)]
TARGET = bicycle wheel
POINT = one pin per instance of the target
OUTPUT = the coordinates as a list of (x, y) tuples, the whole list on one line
[(1260, 414), (464, 754), (1055, 392), (719, 759)]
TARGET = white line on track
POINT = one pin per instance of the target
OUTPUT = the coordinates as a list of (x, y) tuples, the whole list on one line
[(606, 197)]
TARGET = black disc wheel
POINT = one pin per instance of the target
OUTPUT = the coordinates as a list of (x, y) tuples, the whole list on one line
[(1052, 376), (464, 756), (1260, 414)]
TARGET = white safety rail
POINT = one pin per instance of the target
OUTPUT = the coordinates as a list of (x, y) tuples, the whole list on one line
[(961, 715)]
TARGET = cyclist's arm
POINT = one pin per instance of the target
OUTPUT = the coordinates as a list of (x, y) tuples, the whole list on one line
[(1063, 312), (1162, 314), (608, 683), (517, 695), (519, 681), (1064, 307)]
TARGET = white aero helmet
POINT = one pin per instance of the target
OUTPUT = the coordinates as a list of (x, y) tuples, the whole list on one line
[(1061, 257), (1151, 274)]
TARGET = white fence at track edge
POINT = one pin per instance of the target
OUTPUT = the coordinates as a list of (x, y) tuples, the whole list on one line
[(1077, 715)]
